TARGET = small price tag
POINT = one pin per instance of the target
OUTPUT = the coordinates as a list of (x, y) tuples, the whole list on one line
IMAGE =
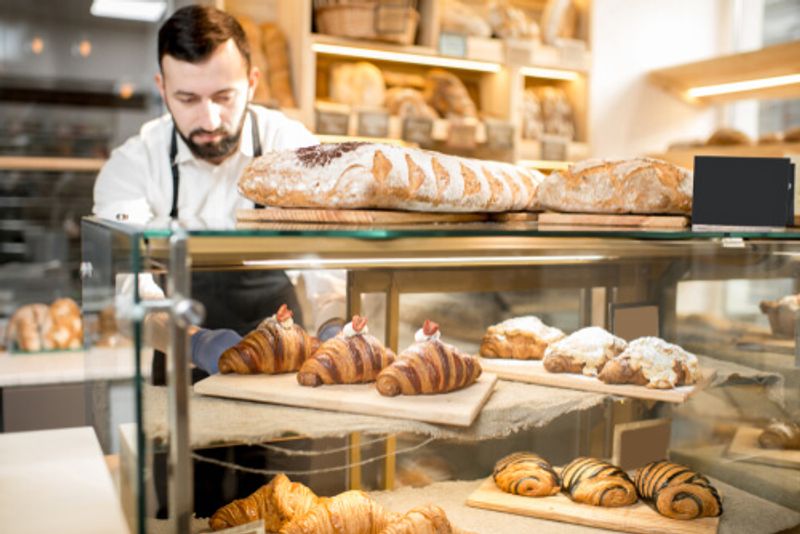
[(418, 130), (452, 44), (500, 135), (518, 52), (554, 148), (462, 135), (332, 122), (373, 123)]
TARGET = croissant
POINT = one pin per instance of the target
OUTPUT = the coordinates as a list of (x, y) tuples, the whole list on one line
[(428, 519), (677, 491), (521, 338), (780, 435), (276, 503), (651, 362), (277, 345), (599, 483), (27, 326), (351, 512), (352, 357), (524, 473), (428, 366)]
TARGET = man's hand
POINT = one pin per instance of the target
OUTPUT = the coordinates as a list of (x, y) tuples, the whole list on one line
[(208, 346)]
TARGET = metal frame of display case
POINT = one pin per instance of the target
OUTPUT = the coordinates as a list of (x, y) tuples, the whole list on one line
[(645, 267)]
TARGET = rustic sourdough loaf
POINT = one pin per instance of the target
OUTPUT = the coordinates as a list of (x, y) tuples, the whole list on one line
[(639, 185), (366, 175)]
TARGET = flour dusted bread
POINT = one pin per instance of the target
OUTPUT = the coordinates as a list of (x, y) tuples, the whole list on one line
[(639, 185), (521, 338), (584, 351), (652, 362), (366, 175)]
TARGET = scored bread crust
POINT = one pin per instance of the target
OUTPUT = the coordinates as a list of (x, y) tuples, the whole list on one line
[(637, 185), (375, 176)]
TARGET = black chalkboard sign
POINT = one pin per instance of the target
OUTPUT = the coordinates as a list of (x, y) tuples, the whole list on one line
[(733, 191)]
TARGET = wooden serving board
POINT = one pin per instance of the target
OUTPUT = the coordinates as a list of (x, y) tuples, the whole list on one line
[(459, 408), (514, 216), (354, 216), (639, 517), (744, 446), (598, 219), (533, 372)]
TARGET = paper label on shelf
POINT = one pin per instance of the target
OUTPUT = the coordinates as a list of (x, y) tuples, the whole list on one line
[(519, 51), (373, 124), (418, 130), (500, 135), (462, 135), (452, 44), (554, 148), (331, 122)]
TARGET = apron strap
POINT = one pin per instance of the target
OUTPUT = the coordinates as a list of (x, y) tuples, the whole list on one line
[(173, 153), (176, 178)]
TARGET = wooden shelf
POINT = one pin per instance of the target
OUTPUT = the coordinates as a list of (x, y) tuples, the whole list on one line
[(685, 157), (28, 163), (772, 61)]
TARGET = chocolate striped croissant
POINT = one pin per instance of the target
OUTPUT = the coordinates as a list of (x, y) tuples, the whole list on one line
[(780, 435), (428, 366), (599, 483), (677, 491), (277, 345), (528, 474), (352, 357)]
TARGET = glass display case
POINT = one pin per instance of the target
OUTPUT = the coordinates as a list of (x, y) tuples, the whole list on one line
[(193, 448)]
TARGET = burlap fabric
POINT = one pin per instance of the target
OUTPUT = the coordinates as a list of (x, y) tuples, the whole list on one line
[(744, 513), (512, 407)]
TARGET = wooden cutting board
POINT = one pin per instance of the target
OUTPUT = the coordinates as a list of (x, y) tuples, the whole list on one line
[(533, 372), (744, 446), (598, 219), (459, 408), (354, 216), (639, 517)]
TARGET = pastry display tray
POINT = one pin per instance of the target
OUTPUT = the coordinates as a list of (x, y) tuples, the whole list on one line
[(744, 446), (638, 518), (459, 408), (533, 372)]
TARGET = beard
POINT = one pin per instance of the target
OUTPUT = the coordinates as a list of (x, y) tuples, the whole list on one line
[(215, 150)]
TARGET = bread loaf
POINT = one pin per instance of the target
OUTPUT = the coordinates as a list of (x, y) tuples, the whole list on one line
[(366, 175), (639, 185), (446, 93), (273, 43)]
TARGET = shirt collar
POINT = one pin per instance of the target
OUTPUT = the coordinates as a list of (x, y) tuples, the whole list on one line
[(245, 143)]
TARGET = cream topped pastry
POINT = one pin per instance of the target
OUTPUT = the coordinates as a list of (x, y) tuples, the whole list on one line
[(585, 350), (657, 358), (284, 316), (356, 327), (428, 332)]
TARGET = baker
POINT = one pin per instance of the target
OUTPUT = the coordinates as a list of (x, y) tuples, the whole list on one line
[(185, 164)]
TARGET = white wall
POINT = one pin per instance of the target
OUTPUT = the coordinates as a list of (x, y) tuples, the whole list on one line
[(629, 115)]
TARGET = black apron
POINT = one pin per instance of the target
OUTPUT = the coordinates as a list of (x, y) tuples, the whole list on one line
[(238, 300)]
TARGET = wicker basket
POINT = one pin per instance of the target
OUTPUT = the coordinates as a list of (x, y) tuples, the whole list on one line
[(368, 19)]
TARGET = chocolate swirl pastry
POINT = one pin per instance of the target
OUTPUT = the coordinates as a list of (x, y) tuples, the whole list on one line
[(780, 435), (599, 483), (677, 491), (528, 474)]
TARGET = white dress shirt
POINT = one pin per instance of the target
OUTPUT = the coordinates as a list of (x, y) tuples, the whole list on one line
[(136, 181)]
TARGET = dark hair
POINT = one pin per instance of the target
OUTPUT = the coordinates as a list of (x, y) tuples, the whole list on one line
[(192, 34)]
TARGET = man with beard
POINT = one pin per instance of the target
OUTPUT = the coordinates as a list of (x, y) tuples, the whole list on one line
[(185, 165)]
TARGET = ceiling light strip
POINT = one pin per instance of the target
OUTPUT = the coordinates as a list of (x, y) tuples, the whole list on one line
[(746, 85), (405, 57)]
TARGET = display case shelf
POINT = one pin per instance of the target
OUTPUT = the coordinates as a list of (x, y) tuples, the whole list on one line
[(772, 72)]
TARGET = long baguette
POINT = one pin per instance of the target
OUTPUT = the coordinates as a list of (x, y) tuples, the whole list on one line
[(365, 175)]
